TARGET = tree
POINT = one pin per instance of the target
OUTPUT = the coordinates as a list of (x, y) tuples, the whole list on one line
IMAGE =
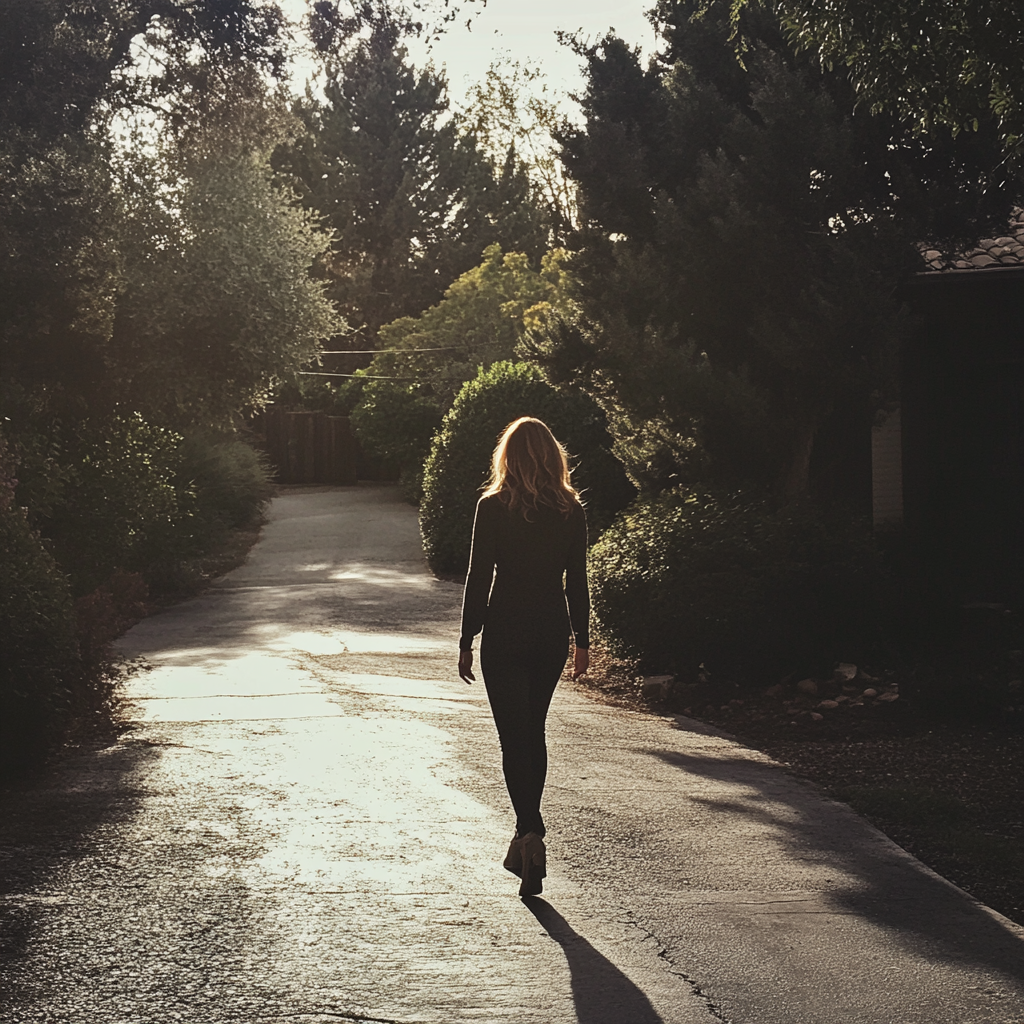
[(744, 227), (425, 360), (67, 71), (933, 63), (411, 202), (513, 111), (223, 305)]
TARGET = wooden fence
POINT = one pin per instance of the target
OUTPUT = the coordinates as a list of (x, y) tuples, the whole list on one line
[(310, 447)]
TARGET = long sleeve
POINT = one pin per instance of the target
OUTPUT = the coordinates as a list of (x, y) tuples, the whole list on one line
[(577, 590), (483, 555)]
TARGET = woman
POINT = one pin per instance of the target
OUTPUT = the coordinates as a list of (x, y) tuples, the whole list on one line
[(530, 529)]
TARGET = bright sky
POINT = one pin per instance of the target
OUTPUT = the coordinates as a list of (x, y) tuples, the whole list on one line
[(523, 30)]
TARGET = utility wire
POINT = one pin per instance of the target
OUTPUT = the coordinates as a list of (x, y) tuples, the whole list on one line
[(361, 376), (375, 351)]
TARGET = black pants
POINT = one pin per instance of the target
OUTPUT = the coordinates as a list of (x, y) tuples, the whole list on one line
[(520, 682)]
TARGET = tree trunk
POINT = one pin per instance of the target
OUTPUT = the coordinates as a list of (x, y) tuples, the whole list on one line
[(797, 477)]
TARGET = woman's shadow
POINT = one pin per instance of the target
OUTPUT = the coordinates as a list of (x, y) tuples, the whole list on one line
[(601, 992)]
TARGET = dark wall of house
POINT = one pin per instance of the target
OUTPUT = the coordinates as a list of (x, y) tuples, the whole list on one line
[(841, 460), (963, 430)]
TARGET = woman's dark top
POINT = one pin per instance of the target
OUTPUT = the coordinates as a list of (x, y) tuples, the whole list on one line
[(527, 603)]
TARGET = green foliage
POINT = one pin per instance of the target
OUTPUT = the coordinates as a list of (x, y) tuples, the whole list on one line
[(225, 306), (230, 481), (731, 582), (744, 228), (104, 496), (38, 650), (395, 423), (944, 63), (121, 495), (480, 321), (459, 461), (410, 201), (513, 111)]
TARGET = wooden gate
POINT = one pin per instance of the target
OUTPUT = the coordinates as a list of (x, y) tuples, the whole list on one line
[(310, 447)]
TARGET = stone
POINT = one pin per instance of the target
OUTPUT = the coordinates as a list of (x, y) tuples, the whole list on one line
[(828, 704), (816, 717), (656, 687), (870, 692), (845, 672), (889, 696), (807, 686), (775, 691)]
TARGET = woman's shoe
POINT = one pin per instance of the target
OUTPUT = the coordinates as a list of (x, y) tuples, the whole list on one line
[(534, 859), (514, 858)]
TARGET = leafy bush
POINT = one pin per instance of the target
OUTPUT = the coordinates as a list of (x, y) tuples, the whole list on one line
[(230, 482), (459, 460), (124, 495), (38, 651), (111, 502), (396, 423), (732, 582)]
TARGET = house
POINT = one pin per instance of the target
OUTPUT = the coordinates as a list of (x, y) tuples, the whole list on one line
[(947, 463)]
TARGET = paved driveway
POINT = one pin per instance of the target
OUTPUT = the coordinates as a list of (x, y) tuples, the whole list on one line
[(307, 819)]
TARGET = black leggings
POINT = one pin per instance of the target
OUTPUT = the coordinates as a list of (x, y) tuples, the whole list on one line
[(520, 685)]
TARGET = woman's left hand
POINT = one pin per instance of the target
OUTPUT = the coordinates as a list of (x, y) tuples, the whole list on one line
[(466, 666)]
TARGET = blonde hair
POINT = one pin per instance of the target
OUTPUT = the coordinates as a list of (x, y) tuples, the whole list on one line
[(530, 468)]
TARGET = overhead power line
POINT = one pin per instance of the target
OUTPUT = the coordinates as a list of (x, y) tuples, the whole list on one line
[(361, 376), (377, 351)]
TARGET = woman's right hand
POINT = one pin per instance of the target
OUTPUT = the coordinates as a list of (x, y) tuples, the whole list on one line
[(580, 662), (466, 666)]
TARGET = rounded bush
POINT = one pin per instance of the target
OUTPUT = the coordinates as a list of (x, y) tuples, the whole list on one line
[(730, 581), (459, 461), (230, 480)]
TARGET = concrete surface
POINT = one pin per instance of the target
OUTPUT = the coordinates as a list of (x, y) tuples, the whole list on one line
[(306, 823)]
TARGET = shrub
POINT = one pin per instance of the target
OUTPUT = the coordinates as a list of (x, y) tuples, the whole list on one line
[(396, 423), (124, 495), (38, 652), (229, 481), (113, 500), (729, 581), (459, 460)]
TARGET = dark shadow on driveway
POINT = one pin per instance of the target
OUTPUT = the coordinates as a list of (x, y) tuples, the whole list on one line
[(49, 822), (601, 992), (892, 891)]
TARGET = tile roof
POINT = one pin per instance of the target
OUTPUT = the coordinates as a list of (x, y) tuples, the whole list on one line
[(1005, 251)]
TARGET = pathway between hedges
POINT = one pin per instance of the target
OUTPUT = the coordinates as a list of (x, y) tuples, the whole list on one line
[(307, 819)]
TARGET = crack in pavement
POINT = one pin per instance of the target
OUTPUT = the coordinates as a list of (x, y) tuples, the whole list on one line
[(662, 953), (320, 1014)]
